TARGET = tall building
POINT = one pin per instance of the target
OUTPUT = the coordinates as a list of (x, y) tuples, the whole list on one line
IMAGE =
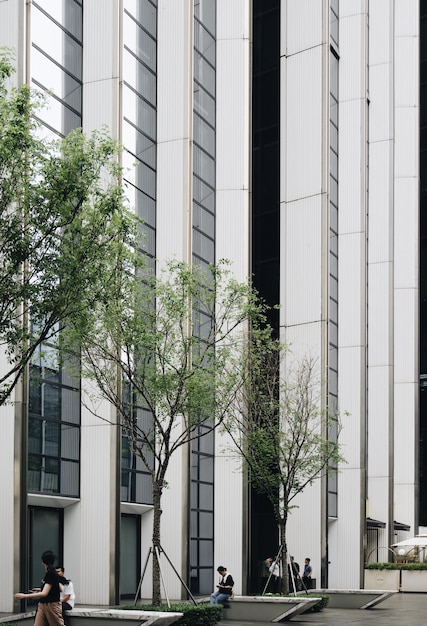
[(286, 136)]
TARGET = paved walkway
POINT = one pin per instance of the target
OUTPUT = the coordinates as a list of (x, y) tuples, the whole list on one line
[(402, 609)]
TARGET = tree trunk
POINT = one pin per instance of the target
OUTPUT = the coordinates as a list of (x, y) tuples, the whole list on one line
[(156, 546), (286, 585)]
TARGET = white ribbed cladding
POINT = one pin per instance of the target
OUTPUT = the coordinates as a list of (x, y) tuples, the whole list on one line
[(233, 123), (101, 66), (233, 102), (12, 32), (98, 498), (380, 406), (304, 207), (406, 265), (174, 126), (9, 454)]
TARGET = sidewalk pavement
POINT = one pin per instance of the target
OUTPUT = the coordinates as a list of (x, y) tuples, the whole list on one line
[(401, 609)]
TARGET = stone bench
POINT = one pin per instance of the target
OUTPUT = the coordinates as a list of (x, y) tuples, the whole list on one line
[(352, 598), (24, 618), (267, 609), (90, 616)]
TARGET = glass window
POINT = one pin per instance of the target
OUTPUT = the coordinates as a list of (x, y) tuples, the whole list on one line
[(144, 12), (139, 112), (58, 116), (136, 480), (54, 427), (202, 459), (68, 13), (139, 42), (148, 239), (203, 246), (204, 42), (204, 73), (205, 11), (204, 166), (145, 206), (140, 145), (205, 552), (139, 76), (56, 43), (139, 174), (204, 135), (203, 194), (204, 104), (206, 496), (203, 220), (334, 110), (52, 77), (206, 524)]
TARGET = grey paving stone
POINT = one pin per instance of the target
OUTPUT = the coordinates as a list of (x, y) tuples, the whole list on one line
[(403, 609)]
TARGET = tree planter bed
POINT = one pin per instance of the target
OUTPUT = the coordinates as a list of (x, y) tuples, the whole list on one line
[(382, 579), (106, 617), (413, 581), (266, 609), (354, 598), (89, 616)]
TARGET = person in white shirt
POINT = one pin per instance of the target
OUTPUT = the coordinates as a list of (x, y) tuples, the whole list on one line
[(274, 570), (67, 596)]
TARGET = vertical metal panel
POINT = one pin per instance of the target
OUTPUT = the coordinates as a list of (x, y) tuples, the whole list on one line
[(406, 263), (174, 164)]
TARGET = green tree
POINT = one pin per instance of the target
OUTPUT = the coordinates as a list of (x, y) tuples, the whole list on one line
[(279, 428), (168, 340), (62, 222)]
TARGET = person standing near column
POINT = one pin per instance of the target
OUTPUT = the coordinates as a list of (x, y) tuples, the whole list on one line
[(306, 578)]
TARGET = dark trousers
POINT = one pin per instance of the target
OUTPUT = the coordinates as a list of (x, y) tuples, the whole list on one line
[(66, 607), (307, 581)]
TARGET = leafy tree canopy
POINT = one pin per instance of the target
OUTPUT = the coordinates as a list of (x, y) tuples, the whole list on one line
[(63, 221)]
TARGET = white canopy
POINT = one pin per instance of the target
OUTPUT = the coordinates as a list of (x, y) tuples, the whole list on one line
[(417, 541)]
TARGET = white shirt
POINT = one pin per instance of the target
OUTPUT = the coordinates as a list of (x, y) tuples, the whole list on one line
[(274, 569), (68, 589)]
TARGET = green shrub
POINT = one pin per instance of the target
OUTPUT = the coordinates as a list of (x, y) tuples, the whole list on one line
[(382, 566), (410, 566), (194, 614), (321, 605), (413, 566)]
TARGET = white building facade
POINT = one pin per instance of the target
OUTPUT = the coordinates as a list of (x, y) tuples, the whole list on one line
[(286, 136)]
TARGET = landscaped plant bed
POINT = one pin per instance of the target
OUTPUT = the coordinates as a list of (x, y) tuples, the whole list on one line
[(318, 593), (193, 614), (407, 577), (413, 577), (382, 576), (268, 608), (131, 616), (352, 598)]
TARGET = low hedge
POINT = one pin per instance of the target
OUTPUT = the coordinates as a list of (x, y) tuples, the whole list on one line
[(321, 605), (194, 614), (413, 566), (381, 566), (406, 566)]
